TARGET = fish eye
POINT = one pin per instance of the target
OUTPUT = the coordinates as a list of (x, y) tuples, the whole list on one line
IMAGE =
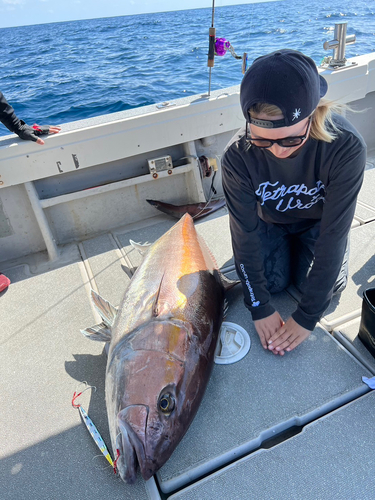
[(166, 403)]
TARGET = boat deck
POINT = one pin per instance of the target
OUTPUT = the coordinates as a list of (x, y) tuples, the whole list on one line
[(298, 426)]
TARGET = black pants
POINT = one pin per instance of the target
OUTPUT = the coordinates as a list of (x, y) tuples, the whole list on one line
[(288, 251)]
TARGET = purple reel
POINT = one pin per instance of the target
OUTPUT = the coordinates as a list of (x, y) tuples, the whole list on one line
[(221, 46)]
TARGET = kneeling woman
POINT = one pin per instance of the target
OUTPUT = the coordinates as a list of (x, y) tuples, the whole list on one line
[(291, 178)]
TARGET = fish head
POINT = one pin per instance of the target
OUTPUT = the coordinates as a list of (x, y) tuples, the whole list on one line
[(161, 392), (149, 433)]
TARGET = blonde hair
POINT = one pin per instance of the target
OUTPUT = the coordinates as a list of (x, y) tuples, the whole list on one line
[(322, 126)]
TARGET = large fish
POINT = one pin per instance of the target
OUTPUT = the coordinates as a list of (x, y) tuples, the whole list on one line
[(161, 352)]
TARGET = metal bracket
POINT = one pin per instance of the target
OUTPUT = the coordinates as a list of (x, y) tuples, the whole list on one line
[(159, 164), (338, 45), (328, 63)]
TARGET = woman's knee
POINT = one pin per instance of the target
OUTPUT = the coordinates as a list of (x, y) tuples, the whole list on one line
[(277, 283)]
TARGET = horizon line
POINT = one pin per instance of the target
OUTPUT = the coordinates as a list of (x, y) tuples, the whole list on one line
[(140, 14)]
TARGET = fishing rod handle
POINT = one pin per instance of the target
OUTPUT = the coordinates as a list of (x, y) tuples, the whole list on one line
[(211, 47)]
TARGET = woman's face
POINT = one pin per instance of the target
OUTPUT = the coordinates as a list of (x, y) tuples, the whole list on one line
[(280, 133)]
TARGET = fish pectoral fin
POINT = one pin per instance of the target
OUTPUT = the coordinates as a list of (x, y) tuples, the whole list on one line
[(105, 309), (155, 308), (195, 210), (100, 333), (141, 248), (227, 282)]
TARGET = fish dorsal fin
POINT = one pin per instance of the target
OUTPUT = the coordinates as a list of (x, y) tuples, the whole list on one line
[(100, 333), (226, 282), (141, 248), (208, 255), (106, 310)]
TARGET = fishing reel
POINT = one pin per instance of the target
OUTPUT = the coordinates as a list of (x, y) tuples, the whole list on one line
[(219, 47), (222, 45)]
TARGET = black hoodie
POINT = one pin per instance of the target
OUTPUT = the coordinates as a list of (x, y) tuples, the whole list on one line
[(320, 183)]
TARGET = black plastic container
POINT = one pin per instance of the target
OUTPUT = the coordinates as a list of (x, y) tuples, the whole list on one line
[(367, 326)]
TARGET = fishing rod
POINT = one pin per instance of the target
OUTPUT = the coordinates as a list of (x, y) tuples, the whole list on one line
[(219, 47), (211, 47)]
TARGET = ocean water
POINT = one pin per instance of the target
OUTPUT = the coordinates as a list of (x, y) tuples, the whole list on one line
[(60, 72)]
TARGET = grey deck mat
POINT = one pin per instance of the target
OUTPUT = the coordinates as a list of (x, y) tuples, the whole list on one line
[(332, 457), (366, 194), (364, 214), (46, 451), (261, 395), (347, 335), (107, 265)]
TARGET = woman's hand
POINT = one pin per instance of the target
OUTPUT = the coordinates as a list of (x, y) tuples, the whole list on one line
[(287, 337), (267, 327)]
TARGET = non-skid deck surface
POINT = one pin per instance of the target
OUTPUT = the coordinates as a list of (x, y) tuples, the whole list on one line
[(364, 214), (47, 451), (347, 335), (109, 270), (332, 458), (366, 194)]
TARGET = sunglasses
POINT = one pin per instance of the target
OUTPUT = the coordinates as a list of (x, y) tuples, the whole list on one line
[(286, 142)]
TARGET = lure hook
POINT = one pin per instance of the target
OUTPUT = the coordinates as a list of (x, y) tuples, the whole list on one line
[(76, 395)]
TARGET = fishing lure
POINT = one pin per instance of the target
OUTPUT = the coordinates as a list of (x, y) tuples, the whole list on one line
[(92, 428)]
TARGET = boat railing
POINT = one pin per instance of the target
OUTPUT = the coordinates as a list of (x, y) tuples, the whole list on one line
[(95, 174)]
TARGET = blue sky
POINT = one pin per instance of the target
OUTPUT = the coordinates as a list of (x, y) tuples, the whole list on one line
[(23, 12)]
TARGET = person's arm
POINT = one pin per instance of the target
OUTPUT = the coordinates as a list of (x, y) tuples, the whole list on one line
[(343, 185), (9, 118), (7, 115), (244, 220), (345, 181)]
